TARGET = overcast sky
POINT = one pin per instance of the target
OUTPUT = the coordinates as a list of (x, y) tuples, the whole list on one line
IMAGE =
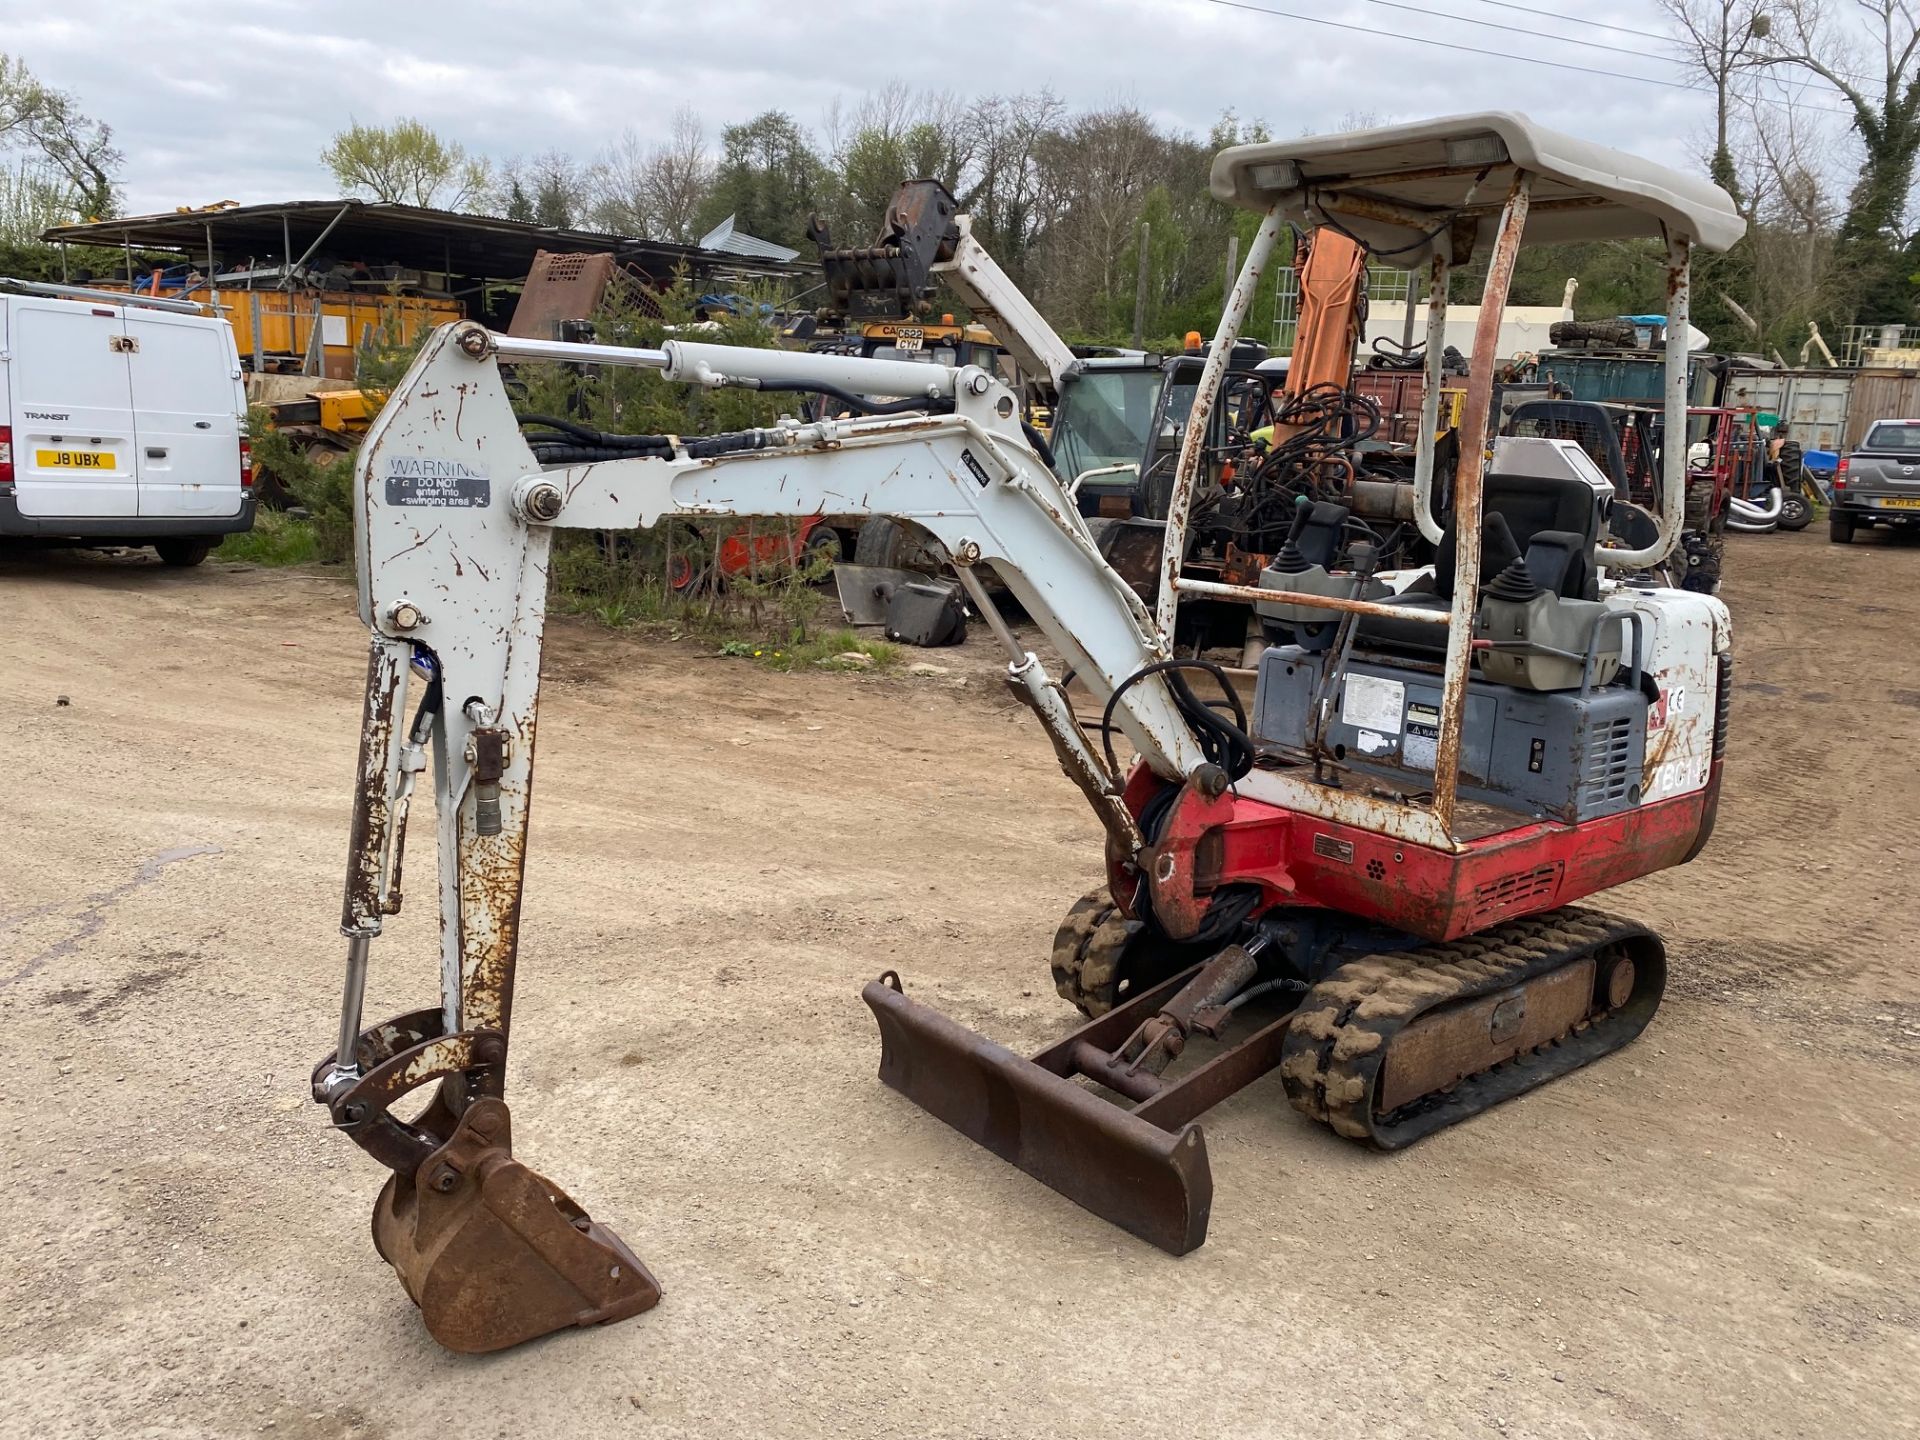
[(235, 102)]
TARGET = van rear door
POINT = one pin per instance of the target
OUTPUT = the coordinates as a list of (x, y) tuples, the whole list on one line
[(187, 404), (72, 409)]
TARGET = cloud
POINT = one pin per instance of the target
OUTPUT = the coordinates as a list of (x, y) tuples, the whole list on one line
[(210, 111)]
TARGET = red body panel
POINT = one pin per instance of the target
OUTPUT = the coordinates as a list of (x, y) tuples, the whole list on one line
[(1303, 860)]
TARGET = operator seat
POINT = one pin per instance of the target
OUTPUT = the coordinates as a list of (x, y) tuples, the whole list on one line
[(1543, 515)]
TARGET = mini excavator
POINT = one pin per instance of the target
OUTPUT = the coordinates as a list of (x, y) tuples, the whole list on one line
[(1366, 880)]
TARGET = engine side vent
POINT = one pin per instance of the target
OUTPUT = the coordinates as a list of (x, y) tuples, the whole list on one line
[(1497, 899), (1722, 699), (1611, 769)]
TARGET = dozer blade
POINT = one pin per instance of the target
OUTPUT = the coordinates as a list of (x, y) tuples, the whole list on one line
[(1151, 1182), (494, 1254)]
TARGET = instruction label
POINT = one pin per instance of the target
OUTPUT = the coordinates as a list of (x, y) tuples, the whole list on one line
[(429, 484), (1370, 702)]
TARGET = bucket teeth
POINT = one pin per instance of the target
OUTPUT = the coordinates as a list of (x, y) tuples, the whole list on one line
[(493, 1253)]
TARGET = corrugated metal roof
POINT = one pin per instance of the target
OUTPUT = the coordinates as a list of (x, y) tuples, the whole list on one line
[(729, 241), (480, 247)]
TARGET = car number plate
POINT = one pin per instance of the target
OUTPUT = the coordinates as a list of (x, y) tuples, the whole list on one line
[(74, 459), (1901, 502), (907, 341)]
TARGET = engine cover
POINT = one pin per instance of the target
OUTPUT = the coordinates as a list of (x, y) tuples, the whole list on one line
[(1549, 755)]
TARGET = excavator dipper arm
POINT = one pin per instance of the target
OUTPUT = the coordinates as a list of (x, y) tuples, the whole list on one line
[(454, 526)]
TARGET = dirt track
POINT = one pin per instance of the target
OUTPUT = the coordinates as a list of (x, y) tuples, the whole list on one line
[(1713, 1233)]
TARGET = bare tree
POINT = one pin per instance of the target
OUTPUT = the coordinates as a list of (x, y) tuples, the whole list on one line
[(24, 102), (82, 149), (1097, 172), (678, 176), (1005, 194), (1718, 39), (654, 191), (1880, 83), (1781, 156), (76, 147)]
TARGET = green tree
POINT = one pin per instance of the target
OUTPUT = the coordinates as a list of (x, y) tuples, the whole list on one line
[(405, 162), (769, 179)]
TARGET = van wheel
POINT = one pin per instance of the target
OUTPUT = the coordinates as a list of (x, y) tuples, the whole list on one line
[(183, 553), (1839, 528)]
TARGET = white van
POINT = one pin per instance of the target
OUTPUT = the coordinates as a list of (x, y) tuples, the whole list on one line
[(122, 421)]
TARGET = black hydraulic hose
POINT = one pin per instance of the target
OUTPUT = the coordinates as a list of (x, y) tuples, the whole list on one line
[(599, 439), (859, 402), (1224, 743), (1326, 218), (429, 698), (734, 442), (1409, 357), (1038, 442), (575, 444), (550, 451)]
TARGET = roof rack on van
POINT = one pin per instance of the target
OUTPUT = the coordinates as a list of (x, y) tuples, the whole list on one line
[(110, 297)]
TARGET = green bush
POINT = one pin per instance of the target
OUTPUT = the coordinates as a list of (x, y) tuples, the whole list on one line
[(275, 539), (322, 485), (624, 578)]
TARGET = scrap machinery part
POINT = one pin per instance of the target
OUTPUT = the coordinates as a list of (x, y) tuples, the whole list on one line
[(1392, 1047), (893, 278)]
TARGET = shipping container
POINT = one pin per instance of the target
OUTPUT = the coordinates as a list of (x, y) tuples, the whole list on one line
[(1628, 379), (1881, 395), (1813, 402)]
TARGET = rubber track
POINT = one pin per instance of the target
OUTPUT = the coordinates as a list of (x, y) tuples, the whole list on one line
[(1343, 1030), (1087, 951)]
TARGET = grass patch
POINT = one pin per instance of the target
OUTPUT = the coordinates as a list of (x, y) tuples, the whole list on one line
[(830, 650), (275, 539)]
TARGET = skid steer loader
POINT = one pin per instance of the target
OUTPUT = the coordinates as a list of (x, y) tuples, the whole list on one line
[(1367, 881)]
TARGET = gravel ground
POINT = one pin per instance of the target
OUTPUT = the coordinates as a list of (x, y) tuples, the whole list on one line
[(1712, 1233)]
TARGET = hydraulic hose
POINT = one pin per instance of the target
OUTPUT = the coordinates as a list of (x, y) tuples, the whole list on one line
[(1225, 743)]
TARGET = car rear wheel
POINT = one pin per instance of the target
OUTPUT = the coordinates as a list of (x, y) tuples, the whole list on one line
[(1840, 528), (183, 553)]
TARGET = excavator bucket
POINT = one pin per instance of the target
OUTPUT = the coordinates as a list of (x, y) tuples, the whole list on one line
[(1150, 1179), (494, 1254)]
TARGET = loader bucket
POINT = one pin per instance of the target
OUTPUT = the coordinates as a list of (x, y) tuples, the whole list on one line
[(1151, 1182), (493, 1253)]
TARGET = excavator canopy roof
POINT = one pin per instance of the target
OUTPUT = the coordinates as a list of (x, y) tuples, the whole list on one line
[(1397, 187)]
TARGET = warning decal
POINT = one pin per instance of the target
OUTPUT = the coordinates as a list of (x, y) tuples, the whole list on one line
[(427, 484)]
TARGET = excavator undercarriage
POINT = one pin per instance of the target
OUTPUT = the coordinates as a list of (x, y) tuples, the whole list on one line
[(1367, 880)]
